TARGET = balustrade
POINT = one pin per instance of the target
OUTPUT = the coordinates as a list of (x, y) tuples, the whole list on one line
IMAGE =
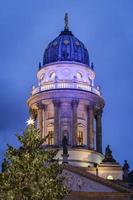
[(67, 84)]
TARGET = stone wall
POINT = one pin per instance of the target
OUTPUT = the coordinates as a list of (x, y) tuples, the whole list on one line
[(99, 196)]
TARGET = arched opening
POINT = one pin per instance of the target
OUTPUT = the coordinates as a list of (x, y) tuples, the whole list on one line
[(80, 135), (50, 134), (80, 138)]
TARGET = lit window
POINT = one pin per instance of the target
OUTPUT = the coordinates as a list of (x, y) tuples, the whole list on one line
[(110, 177), (79, 75), (80, 138), (52, 75), (50, 138)]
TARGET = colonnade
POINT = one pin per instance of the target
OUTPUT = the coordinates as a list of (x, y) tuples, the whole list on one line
[(92, 114)]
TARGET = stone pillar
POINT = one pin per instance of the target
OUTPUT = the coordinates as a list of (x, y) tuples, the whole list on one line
[(44, 121), (99, 131), (56, 121), (87, 127), (40, 107), (74, 121), (91, 127)]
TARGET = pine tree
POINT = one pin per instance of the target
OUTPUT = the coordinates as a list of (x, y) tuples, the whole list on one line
[(31, 172)]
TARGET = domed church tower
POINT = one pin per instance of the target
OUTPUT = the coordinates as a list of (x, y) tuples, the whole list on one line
[(67, 107), (67, 103)]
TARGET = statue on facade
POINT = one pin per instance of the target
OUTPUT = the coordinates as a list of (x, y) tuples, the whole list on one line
[(108, 151), (125, 170), (108, 155), (65, 149), (125, 166), (65, 145)]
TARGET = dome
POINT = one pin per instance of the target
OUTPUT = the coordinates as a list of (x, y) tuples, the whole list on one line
[(66, 47)]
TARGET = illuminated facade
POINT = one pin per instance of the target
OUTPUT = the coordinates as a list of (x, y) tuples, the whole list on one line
[(67, 102)]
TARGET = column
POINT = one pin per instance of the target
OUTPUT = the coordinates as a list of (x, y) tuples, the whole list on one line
[(40, 107), (87, 126), (44, 121), (75, 121), (56, 121), (91, 127), (99, 131)]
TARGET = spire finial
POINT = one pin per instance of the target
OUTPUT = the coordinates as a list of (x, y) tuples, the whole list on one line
[(66, 21)]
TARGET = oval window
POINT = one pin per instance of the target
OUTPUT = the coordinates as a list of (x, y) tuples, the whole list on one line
[(79, 75), (42, 76), (52, 75)]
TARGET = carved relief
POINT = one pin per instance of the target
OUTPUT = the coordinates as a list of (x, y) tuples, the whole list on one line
[(77, 182)]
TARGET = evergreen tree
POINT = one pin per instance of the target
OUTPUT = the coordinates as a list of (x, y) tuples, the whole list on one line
[(31, 172)]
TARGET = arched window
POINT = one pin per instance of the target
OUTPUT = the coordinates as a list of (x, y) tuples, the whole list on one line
[(50, 138), (80, 138)]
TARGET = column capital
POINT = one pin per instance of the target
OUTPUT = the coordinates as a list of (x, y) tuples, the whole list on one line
[(98, 113), (31, 110), (56, 102), (40, 105), (90, 107), (33, 113), (75, 102)]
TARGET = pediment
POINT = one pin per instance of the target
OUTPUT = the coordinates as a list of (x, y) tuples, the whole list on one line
[(80, 180), (76, 182)]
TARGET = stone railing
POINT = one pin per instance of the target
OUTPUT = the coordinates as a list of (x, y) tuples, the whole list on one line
[(67, 85)]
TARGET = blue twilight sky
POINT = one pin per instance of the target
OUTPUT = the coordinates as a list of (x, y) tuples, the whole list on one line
[(104, 26)]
